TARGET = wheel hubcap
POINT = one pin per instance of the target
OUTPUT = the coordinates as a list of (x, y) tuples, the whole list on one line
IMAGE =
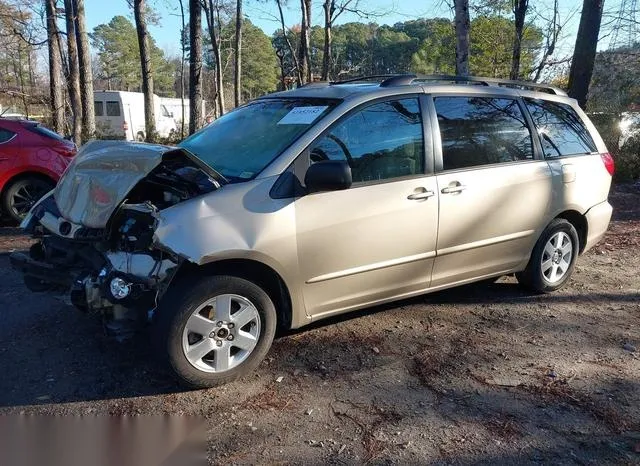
[(221, 333), (556, 257)]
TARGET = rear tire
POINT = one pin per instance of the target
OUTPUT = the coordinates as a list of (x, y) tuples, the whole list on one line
[(22, 194), (214, 330), (553, 258)]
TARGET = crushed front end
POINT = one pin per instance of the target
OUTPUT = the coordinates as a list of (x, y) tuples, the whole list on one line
[(95, 231)]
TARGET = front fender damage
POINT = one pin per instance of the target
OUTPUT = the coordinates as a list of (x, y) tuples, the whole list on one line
[(98, 240)]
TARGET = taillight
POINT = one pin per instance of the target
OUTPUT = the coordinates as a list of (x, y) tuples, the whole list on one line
[(608, 162), (125, 126)]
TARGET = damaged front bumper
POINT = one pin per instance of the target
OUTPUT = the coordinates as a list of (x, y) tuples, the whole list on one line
[(124, 287), (96, 230)]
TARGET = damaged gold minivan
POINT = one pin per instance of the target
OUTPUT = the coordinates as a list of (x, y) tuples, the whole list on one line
[(314, 202)]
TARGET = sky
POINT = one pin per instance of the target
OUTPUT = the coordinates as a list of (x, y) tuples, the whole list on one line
[(263, 13)]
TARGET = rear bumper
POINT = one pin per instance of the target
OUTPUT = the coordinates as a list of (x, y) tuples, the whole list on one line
[(598, 218)]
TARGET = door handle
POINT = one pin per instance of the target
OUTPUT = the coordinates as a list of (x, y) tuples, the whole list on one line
[(452, 189), (423, 194)]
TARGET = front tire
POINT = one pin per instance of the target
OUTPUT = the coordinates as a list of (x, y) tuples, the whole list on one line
[(215, 330), (553, 258)]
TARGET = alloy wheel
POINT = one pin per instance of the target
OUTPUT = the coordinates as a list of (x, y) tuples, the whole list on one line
[(221, 333), (25, 197), (556, 257)]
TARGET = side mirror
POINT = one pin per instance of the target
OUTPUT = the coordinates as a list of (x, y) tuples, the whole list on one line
[(328, 175)]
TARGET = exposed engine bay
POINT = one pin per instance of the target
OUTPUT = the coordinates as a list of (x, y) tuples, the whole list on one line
[(111, 265)]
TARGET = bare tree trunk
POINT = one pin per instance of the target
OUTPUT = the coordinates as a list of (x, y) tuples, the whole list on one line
[(86, 73), (288, 42), (238, 55), (183, 46), (195, 66), (74, 72), (462, 23), (303, 51), (553, 32), (283, 73), (329, 7), (19, 71), (55, 68), (139, 13), (520, 8), (212, 15), (584, 54), (220, 70)]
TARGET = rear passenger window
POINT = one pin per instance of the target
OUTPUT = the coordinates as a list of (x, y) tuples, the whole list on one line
[(6, 135), (379, 142), (113, 108), (561, 130), (481, 131), (98, 108)]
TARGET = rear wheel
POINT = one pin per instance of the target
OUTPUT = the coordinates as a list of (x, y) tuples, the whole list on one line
[(22, 194), (553, 258), (215, 330)]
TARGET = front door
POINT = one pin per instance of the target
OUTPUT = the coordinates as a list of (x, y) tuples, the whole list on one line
[(376, 240), (495, 195)]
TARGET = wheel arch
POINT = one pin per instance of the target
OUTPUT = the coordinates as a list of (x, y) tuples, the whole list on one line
[(19, 175), (579, 222), (255, 271), (9, 180)]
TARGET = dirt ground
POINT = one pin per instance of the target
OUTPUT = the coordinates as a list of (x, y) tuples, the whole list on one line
[(480, 374)]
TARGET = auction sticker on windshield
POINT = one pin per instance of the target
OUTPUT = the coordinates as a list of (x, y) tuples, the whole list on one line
[(302, 115)]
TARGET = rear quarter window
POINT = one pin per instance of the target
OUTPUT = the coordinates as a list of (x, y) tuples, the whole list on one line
[(6, 135), (562, 132)]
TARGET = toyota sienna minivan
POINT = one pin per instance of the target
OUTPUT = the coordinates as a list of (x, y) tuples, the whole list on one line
[(309, 203)]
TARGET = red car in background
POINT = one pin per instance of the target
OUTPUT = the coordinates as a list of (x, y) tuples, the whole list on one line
[(32, 159)]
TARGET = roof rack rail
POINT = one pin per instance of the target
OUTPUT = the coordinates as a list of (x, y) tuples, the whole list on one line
[(399, 80), (492, 82), (373, 77), (393, 80)]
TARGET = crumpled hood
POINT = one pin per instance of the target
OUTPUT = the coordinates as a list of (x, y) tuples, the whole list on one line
[(100, 176)]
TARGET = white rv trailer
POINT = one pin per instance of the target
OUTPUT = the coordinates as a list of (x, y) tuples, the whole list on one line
[(120, 114)]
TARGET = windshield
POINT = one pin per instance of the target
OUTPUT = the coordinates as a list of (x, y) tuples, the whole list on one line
[(240, 144)]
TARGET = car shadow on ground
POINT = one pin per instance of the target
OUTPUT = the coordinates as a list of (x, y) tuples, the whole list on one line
[(55, 354), (482, 292)]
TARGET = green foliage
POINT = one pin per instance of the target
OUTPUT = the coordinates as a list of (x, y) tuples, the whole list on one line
[(491, 47), (437, 53), (119, 58), (627, 157), (357, 49), (259, 62), (421, 46), (492, 40), (627, 160)]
